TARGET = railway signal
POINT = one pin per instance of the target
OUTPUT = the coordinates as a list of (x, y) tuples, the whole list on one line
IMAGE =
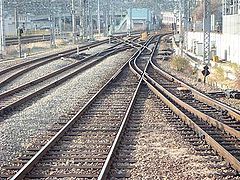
[(20, 32), (205, 72)]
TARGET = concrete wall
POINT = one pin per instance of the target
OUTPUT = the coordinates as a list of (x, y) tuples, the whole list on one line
[(227, 46)]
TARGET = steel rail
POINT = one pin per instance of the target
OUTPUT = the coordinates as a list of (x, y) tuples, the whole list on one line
[(34, 82), (203, 116), (131, 43), (21, 72), (107, 163), (30, 164), (204, 98), (201, 96), (155, 87), (55, 55), (8, 108), (231, 111), (27, 39)]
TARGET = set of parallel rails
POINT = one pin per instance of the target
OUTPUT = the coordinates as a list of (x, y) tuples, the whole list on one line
[(40, 38), (21, 94), (222, 142), (221, 134), (214, 122), (123, 160), (118, 159), (27, 39), (11, 73), (79, 147)]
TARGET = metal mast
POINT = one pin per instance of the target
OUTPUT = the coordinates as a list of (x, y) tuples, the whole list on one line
[(2, 34), (73, 22), (185, 22), (180, 25), (207, 30), (98, 18), (81, 13), (90, 19), (86, 18), (52, 26)]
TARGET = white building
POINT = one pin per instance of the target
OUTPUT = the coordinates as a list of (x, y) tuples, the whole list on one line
[(226, 45), (24, 21), (168, 18), (231, 17)]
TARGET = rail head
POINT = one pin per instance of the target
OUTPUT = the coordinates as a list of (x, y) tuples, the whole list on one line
[(154, 86), (231, 111), (30, 164), (106, 166), (214, 144)]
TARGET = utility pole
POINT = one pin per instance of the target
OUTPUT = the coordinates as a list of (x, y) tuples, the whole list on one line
[(130, 21), (73, 22), (106, 18), (86, 19), (81, 23), (2, 34), (52, 29), (52, 26), (180, 25), (16, 19), (19, 31), (86, 13), (113, 17), (60, 24), (91, 20), (185, 22), (98, 18), (207, 31)]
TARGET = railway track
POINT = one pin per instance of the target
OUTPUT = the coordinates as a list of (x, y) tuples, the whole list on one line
[(27, 39), (16, 97), (96, 142), (214, 122), (40, 38), (221, 134), (123, 160), (11, 73), (89, 133)]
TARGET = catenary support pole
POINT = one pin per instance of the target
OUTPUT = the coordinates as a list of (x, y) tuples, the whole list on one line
[(207, 31), (98, 18), (73, 23), (2, 33)]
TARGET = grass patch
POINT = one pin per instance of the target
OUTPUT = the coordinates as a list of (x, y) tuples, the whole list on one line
[(181, 64)]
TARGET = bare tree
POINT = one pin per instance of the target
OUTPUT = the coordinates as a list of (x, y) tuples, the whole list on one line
[(198, 11)]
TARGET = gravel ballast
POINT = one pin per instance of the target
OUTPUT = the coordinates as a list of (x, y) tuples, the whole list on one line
[(162, 153), (188, 78), (16, 130), (6, 63), (48, 68), (165, 65)]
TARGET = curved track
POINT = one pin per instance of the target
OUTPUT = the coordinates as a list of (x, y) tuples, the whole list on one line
[(17, 96), (84, 138), (11, 73), (214, 122), (95, 142)]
